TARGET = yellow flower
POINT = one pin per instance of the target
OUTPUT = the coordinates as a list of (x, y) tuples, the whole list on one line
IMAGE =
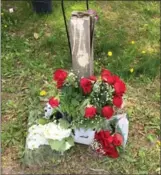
[(132, 42), (143, 52), (109, 53), (131, 70), (5, 26), (43, 93), (158, 143)]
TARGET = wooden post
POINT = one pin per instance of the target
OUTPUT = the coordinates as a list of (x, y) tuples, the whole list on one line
[(81, 29)]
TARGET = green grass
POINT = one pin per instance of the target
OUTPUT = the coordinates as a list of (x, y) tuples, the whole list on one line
[(28, 62)]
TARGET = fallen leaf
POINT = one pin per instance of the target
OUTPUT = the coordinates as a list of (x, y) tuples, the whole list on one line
[(36, 35)]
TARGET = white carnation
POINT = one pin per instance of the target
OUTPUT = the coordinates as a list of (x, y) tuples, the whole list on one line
[(36, 137), (34, 129), (55, 132)]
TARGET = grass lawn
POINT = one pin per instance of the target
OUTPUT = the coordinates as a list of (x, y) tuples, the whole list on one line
[(33, 46)]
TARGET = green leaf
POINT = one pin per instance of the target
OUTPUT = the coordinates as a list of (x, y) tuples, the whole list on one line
[(70, 141), (64, 124), (57, 145), (74, 102), (42, 121), (142, 153), (150, 138)]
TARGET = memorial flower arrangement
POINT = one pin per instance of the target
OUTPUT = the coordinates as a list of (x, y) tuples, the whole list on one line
[(103, 97), (79, 109), (89, 101)]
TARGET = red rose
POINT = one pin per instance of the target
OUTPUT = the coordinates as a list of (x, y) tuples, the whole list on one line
[(59, 76), (117, 101), (101, 135), (90, 112), (116, 78), (111, 151), (108, 141), (107, 134), (110, 79), (104, 74), (59, 84), (98, 135), (119, 87), (53, 102), (93, 78), (107, 112), (117, 139), (86, 85)]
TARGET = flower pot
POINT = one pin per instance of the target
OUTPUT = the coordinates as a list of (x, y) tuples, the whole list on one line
[(42, 6), (83, 136)]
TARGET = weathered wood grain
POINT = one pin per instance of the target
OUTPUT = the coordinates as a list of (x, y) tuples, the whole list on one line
[(81, 29)]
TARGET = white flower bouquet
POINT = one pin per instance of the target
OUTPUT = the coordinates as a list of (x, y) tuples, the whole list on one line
[(52, 134)]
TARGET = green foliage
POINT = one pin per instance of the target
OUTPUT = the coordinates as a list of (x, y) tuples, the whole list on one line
[(51, 89), (13, 133), (151, 138), (42, 121), (64, 124), (70, 141), (57, 145), (61, 145), (70, 99), (34, 115), (96, 123)]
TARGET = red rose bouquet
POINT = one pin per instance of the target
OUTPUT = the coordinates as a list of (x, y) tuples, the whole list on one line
[(91, 102), (107, 144), (103, 96)]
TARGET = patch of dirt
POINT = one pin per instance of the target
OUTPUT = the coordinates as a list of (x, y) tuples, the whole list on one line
[(10, 164)]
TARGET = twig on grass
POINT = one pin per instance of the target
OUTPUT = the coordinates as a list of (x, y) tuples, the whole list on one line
[(99, 170)]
